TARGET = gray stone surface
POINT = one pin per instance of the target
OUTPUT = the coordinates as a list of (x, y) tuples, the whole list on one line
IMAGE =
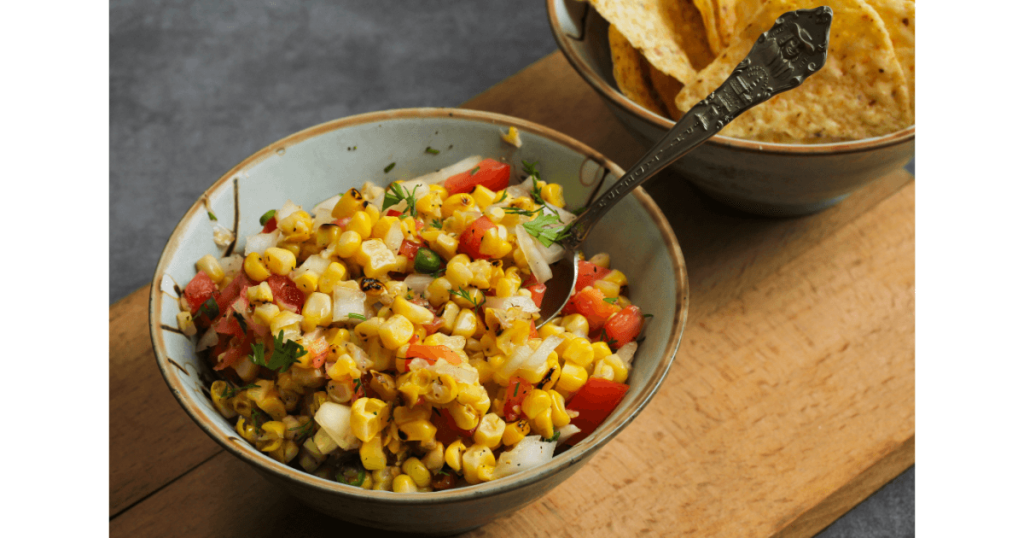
[(195, 87)]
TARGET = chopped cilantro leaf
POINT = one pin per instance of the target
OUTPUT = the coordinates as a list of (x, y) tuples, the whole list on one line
[(357, 316), (553, 438), (531, 169), (211, 215), (210, 308), (504, 194), (389, 167), (648, 315), (474, 171), (535, 192), (433, 151), (283, 355), (436, 223), (397, 194), (611, 300), (539, 228)]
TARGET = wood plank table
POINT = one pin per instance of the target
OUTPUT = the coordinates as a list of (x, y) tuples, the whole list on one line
[(790, 401)]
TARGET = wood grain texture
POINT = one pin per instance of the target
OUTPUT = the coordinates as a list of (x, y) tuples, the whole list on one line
[(791, 399)]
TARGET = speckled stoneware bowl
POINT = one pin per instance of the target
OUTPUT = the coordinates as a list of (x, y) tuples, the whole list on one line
[(317, 163), (757, 177)]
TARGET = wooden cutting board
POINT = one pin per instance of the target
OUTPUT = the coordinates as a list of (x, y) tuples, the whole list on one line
[(790, 401)]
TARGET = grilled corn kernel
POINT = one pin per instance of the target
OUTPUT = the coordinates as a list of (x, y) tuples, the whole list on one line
[(209, 265), (350, 202), (559, 417), (515, 432), (284, 322), (603, 370), (493, 245), (334, 274), (279, 261), (347, 244), (577, 350), (371, 453), (384, 385), (476, 297), (343, 369), (294, 248), (619, 368), (265, 313), (573, 377), (458, 273), (445, 245), (307, 282), (465, 323), (552, 194), (417, 471), (382, 227), (360, 224), (483, 369), (317, 311), (255, 268), (260, 294), (438, 292), (543, 423), (218, 391), (478, 464), (246, 430), (418, 430), (601, 259), (369, 416), (396, 331), (429, 206), (442, 390), (448, 315), (489, 432), (483, 196), (327, 234), (296, 227), (464, 415), (412, 311), (457, 202), (403, 483), (272, 436), (383, 479), (551, 329), (609, 289), (452, 454), (376, 258), (576, 324), (536, 402), (185, 323), (616, 277)]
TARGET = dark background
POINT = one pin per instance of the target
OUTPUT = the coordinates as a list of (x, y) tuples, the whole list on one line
[(196, 87)]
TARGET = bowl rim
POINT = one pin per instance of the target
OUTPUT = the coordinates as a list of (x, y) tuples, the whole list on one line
[(575, 454), (613, 96)]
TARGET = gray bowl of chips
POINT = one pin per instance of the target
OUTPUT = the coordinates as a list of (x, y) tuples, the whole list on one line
[(800, 152)]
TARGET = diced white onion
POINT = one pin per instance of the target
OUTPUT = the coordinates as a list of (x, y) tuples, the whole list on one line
[(348, 301), (538, 267), (540, 356), (209, 339), (322, 216), (515, 360), (362, 358), (393, 238), (328, 204), (468, 376), (502, 304), (336, 419), (231, 264), (531, 452), (418, 283), (222, 236), (260, 242), (627, 352), (316, 264), (565, 432), (462, 166), (287, 209)]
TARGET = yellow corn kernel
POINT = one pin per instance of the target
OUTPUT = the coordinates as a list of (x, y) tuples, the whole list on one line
[(285, 321), (360, 224), (376, 258), (465, 323), (601, 259), (317, 311), (369, 416), (448, 315), (412, 311), (294, 248), (383, 479), (218, 391), (417, 471), (536, 402), (246, 430), (185, 323), (458, 273), (442, 390), (405, 415), (515, 432), (350, 202), (272, 436), (452, 454), (372, 212), (286, 452), (344, 368), (573, 377), (616, 277), (430, 233), (551, 375), (457, 202), (493, 245), (396, 331), (265, 313), (483, 369), (445, 245), (384, 385), (327, 234), (483, 196), (403, 483), (382, 227), (439, 189), (576, 324), (551, 329), (464, 415), (260, 294), (255, 268), (577, 350), (211, 266), (489, 432), (601, 350), (429, 205), (609, 289), (619, 368), (347, 244), (552, 194), (476, 297), (520, 258), (307, 282), (478, 464), (371, 453), (603, 370), (334, 274), (559, 417), (279, 260), (418, 430), (296, 227), (543, 423), (439, 291)]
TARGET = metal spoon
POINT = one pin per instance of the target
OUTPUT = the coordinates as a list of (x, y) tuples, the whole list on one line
[(780, 60)]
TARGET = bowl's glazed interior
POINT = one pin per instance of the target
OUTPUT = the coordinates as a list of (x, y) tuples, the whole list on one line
[(322, 161)]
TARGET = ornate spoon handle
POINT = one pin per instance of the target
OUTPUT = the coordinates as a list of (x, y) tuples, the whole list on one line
[(780, 60)]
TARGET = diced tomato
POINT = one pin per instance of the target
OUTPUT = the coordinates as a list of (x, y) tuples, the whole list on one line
[(588, 273), (595, 400), (286, 292), (447, 430), (270, 226), (359, 389), (228, 324), (489, 173), (342, 222), (434, 325), (238, 349), (537, 292), (590, 302), (317, 350), (199, 290), (231, 292), (469, 241), (623, 327), (432, 353), (533, 329), (515, 393), (393, 213), (409, 249)]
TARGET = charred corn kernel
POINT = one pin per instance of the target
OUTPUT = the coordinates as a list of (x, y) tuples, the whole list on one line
[(369, 416), (535, 374), (360, 224), (279, 261), (616, 277), (601, 350), (412, 311), (376, 258), (478, 464), (483, 196), (327, 234), (218, 393), (552, 194), (448, 315), (185, 323), (371, 454), (403, 483), (457, 202), (464, 415), (465, 323), (272, 436), (489, 432), (369, 328), (609, 289), (347, 244), (285, 321), (445, 245), (260, 294), (515, 432), (550, 378), (405, 415), (603, 370), (512, 137), (317, 311), (442, 390), (416, 470), (296, 227), (576, 324), (559, 417), (384, 385), (493, 245), (336, 337), (476, 297), (453, 454), (273, 406), (482, 271), (246, 430), (536, 402), (343, 369), (572, 379), (334, 274), (307, 282), (255, 268), (211, 266), (382, 227), (551, 329), (265, 313), (350, 202), (543, 423), (429, 205), (601, 259), (577, 350), (286, 452), (523, 202), (397, 330), (418, 430)]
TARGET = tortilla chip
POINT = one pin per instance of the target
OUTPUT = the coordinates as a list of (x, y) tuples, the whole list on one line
[(667, 88), (898, 16), (707, 13), (735, 15), (859, 93), (655, 28), (630, 72)]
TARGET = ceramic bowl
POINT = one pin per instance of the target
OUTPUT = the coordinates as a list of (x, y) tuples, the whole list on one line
[(757, 177), (317, 163)]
